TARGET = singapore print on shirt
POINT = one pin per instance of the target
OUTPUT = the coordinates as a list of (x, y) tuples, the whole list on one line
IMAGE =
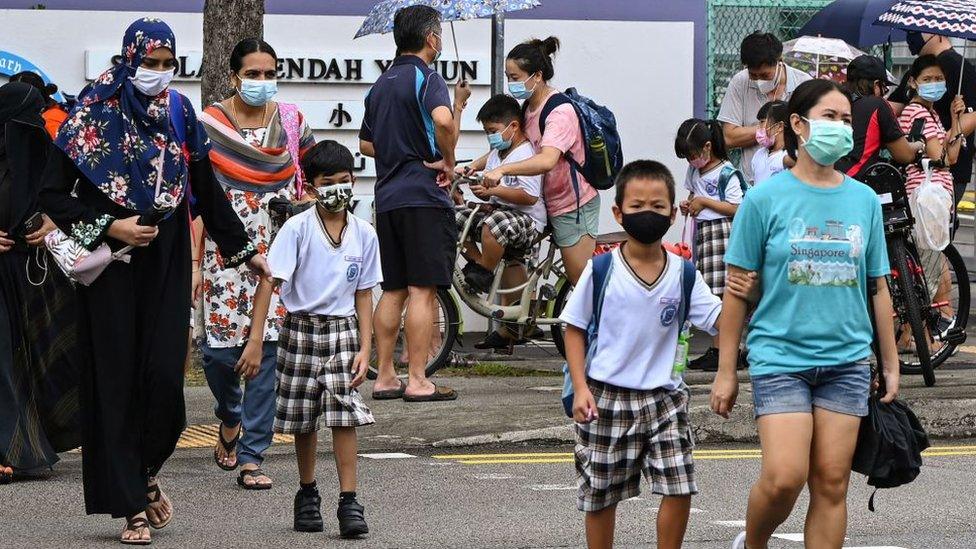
[(826, 255)]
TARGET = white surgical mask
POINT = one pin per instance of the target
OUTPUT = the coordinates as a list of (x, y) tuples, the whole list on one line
[(150, 82), (768, 86)]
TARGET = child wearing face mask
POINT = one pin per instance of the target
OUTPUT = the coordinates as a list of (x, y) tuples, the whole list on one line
[(327, 263), (771, 158), (515, 213), (625, 324), (715, 191)]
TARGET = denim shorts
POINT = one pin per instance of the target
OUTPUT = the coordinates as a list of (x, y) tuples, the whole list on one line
[(568, 229), (842, 389)]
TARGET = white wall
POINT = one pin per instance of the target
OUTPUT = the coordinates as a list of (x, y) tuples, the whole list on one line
[(643, 71)]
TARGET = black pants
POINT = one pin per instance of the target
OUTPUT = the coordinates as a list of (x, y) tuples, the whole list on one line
[(134, 322)]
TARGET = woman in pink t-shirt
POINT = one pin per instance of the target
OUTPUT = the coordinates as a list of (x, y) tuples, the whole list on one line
[(575, 219)]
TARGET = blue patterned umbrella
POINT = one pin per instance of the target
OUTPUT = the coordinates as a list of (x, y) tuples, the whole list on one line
[(380, 18), (955, 18)]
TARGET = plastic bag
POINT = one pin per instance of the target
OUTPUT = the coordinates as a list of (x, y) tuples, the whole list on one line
[(932, 206)]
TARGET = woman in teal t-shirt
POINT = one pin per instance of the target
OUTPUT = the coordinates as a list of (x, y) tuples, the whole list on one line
[(816, 237)]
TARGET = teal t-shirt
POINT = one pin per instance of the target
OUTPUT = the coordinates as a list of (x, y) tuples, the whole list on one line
[(814, 248)]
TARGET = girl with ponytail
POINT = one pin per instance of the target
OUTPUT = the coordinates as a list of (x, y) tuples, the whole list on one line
[(575, 217), (716, 190)]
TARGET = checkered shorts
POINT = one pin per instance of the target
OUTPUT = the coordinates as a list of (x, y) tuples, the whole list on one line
[(511, 228), (637, 432), (711, 239), (315, 355)]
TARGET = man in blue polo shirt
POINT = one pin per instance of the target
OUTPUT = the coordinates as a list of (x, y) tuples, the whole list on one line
[(409, 128)]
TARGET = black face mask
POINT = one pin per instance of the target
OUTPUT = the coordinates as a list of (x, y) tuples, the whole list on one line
[(646, 227), (915, 42)]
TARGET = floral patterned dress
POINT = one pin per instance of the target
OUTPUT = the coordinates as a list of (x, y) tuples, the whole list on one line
[(228, 294)]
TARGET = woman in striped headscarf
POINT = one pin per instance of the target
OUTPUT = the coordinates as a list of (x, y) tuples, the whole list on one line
[(256, 147)]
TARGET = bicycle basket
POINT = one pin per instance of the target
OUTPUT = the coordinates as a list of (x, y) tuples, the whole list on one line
[(887, 181)]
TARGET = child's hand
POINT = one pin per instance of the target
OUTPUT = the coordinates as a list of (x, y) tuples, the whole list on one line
[(360, 365), (250, 362), (744, 285), (683, 206), (725, 390), (584, 407), (696, 205), (492, 178), (482, 192)]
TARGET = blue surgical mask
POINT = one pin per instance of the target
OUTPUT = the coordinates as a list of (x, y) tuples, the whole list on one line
[(932, 91), (257, 93), (519, 91), (498, 142), (829, 141)]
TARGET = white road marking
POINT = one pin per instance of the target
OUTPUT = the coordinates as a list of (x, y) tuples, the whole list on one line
[(547, 388), (877, 547), (790, 537), (391, 455), (730, 523), (551, 487), (496, 476)]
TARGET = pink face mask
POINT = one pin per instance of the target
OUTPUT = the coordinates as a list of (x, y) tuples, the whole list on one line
[(764, 139), (700, 162)]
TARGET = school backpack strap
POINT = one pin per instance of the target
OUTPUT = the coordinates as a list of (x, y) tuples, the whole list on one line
[(602, 266), (725, 177), (688, 278), (291, 122)]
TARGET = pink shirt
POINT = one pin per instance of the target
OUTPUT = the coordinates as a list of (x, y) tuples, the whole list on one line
[(932, 129), (562, 132)]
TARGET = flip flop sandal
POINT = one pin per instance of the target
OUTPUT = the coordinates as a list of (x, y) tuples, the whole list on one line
[(134, 525), (440, 394), (7, 478), (229, 446), (155, 495), (391, 394), (253, 473)]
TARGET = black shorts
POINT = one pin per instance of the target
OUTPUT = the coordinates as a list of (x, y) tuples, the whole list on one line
[(417, 247)]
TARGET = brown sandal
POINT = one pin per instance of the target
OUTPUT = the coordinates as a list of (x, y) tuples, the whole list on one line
[(440, 394), (254, 474), (135, 524), (155, 495)]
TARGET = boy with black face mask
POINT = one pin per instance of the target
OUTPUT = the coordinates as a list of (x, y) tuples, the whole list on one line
[(630, 402)]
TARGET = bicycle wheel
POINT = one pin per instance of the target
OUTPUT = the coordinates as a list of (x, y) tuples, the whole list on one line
[(948, 299), (447, 324), (562, 297), (913, 297)]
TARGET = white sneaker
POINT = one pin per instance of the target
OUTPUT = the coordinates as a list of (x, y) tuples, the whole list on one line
[(740, 541)]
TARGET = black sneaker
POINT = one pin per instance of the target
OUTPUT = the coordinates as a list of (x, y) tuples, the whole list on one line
[(308, 513), (708, 362), (496, 341), (478, 278), (943, 326), (352, 522)]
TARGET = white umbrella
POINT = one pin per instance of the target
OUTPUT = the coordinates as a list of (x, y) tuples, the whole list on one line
[(821, 57)]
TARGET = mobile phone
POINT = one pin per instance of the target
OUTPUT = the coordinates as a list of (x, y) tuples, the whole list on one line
[(34, 223)]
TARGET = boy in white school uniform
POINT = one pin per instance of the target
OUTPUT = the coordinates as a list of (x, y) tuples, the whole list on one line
[(630, 403), (327, 262)]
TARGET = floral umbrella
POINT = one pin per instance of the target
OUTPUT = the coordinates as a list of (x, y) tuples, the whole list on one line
[(821, 57)]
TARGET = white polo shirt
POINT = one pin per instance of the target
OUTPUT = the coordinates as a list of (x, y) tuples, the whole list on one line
[(320, 276), (638, 331)]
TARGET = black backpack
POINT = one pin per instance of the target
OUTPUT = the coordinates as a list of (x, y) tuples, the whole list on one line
[(889, 445)]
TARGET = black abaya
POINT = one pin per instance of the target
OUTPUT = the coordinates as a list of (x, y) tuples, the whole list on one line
[(135, 318)]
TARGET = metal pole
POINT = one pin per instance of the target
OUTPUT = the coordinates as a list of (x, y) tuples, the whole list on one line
[(498, 53)]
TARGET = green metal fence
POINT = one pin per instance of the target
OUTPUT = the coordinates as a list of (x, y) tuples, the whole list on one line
[(729, 21)]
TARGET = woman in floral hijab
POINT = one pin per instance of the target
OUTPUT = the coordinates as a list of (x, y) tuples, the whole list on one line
[(130, 144)]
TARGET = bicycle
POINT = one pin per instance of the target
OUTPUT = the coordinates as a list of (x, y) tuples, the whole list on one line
[(935, 315), (535, 302)]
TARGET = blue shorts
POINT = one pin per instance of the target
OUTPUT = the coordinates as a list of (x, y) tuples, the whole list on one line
[(842, 389)]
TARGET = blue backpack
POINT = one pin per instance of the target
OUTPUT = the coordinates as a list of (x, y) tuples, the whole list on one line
[(601, 141), (725, 177), (602, 268)]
